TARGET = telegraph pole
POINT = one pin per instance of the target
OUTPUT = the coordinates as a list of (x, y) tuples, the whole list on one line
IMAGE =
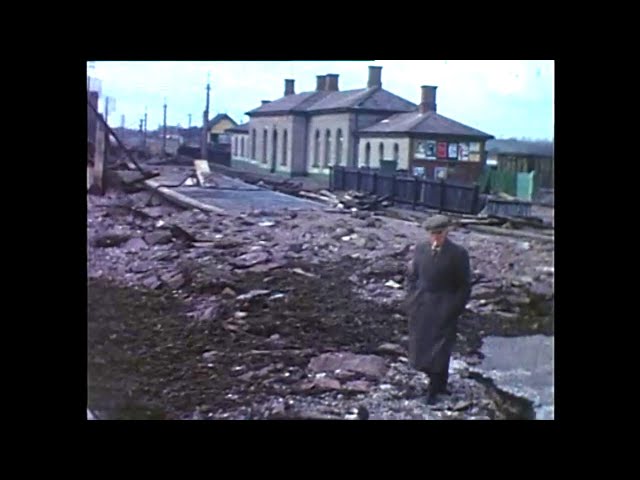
[(205, 126), (164, 130), (144, 137)]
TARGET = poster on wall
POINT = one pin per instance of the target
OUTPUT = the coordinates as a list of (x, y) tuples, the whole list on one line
[(431, 149), (418, 171), (463, 152), (474, 157), (440, 173), (426, 149), (453, 151), (442, 150)]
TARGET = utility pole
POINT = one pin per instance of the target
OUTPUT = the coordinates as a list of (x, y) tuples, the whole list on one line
[(144, 137), (205, 126), (109, 104), (164, 130)]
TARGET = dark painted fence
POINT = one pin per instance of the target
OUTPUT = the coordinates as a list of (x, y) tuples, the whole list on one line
[(406, 189)]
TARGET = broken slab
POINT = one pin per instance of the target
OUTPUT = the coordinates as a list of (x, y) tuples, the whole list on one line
[(181, 199), (249, 259), (110, 239), (370, 365), (173, 280), (359, 386), (202, 170), (393, 348), (321, 383), (135, 245), (152, 283), (161, 237), (253, 294)]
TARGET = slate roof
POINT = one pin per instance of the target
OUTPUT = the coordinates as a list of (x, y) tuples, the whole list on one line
[(427, 123), (316, 102)]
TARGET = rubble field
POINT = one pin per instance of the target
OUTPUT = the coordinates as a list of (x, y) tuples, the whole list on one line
[(286, 314)]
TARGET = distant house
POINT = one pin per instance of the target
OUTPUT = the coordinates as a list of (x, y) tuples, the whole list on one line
[(521, 156), (191, 135), (217, 127), (239, 142), (308, 133)]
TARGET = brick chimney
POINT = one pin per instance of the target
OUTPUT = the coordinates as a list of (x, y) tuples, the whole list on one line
[(375, 77), (320, 86), (332, 82), (288, 87), (428, 101)]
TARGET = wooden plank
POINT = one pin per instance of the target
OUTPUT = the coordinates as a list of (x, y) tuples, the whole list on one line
[(182, 200), (510, 233), (315, 196)]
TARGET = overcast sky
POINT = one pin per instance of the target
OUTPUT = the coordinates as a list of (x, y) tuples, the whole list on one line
[(505, 98)]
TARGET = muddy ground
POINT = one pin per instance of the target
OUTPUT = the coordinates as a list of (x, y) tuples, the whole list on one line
[(195, 315)]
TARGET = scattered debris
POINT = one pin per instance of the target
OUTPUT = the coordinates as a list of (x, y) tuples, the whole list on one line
[(347, 309), (392, 284), (252, 294), (135, 245), (349, 200), (249, 259), (393, 348), (370, 365), (107, 240), (159, 237), (299, 271)]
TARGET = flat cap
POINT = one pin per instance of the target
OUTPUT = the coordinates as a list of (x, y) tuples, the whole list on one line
[(437, 222)]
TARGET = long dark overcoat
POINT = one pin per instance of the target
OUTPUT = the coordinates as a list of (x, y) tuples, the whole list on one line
[(438, 289)]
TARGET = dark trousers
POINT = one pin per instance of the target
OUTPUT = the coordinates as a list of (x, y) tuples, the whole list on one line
[(438, 381)]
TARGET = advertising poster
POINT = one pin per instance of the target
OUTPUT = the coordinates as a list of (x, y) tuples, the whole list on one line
[(453, 151)]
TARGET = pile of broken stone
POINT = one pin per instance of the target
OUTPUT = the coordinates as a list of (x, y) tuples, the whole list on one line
[(157, 246)]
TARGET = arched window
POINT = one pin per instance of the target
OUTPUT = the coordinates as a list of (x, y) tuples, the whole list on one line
[(396, 152), (274, 147), (285, 148), (265, 138), (381, 149), (354, 161), (316, 150), (367, 154), (253, 144), (339, 141), (327, 148)]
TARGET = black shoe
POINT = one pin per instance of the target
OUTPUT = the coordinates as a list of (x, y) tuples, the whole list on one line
[(431, 398)]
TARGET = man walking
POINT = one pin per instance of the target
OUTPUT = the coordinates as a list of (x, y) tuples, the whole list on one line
[(438, 288)]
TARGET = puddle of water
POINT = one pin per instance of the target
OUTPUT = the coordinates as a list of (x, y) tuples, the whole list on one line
[(522, 366)]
